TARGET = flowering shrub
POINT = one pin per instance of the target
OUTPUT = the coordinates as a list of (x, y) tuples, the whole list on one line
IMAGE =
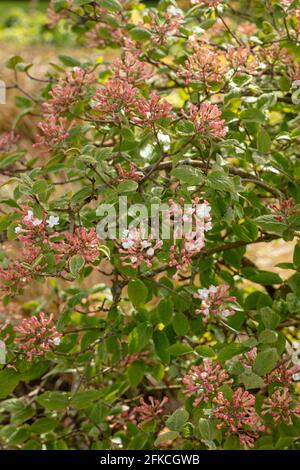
[(147, 325)]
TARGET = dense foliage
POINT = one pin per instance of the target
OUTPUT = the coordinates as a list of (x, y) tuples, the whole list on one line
[(143, 341)]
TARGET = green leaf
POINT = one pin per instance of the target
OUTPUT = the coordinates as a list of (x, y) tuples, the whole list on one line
[(139, 337), (205, 351), (162, 345), (166, 436), (44, 425), (84, 399), (137, 292), (207, 429), (263, 141), (54, 400), (165, 311), (110, 5), (252, 115), (136, 372), (251, 380), (265, 361), (268, 336), (178, 349), (187, 174), (139, 34), (177, 420), (13, 61), (231, 350), (9, 379), (128, 186), (220, 181), (180, 324), (69, 61), (76, 264), (268, 224), (296, 257), (247, 231)]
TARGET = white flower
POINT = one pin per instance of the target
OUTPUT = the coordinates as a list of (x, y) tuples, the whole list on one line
[(203, 210), (29, 216), (53, 221), (56, 341), (208, 226), (36, 222), (150, 252), (18, 229), (145, 244), (203, 293), (133, 259), (213, 289), (147, 152), (164, 140), (172, 10), (225, 313), (127, 244)]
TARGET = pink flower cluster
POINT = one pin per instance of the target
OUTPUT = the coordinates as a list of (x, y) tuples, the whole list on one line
[(80, 242), (146, 412), (54, 131), (131, 69), (8, 142), (132, 174), (189, 229), (284, 209), (207, 121), (117, 97), (204, 65), (280, 406), (162, 29), (215, 301), (67, 91), (37, 335), (35, 235), (203, 381), (242, 59), (238, 416), (149, 111), (136, 250)]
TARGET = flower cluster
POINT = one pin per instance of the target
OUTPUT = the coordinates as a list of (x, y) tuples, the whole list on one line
[(280, 406), (204, 65), (8, 142), (242, 59), (189, 231), (162, 29), (284, 209), (207, 3), (151, 110), (130, 69), (80, 242), (132, 174), (135, 249), (37, 335), (67, 91), (215, 302), (203, 381), (54, 131), (146, 412), (207, 121), (238, 416)]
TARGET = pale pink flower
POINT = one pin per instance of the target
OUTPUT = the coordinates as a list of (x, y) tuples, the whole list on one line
[(280, 406), (136, 250), (132, 174), (36, 335), (215, 303), (149, 111), (202, 382), (204, 65), (67, 91), (54, 131), (81, 242), (238, 416), (131, 69), (242, 59), (117, 97), (145, 412), (163, 29), (8, 142), (207, 121), (207, 3)]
